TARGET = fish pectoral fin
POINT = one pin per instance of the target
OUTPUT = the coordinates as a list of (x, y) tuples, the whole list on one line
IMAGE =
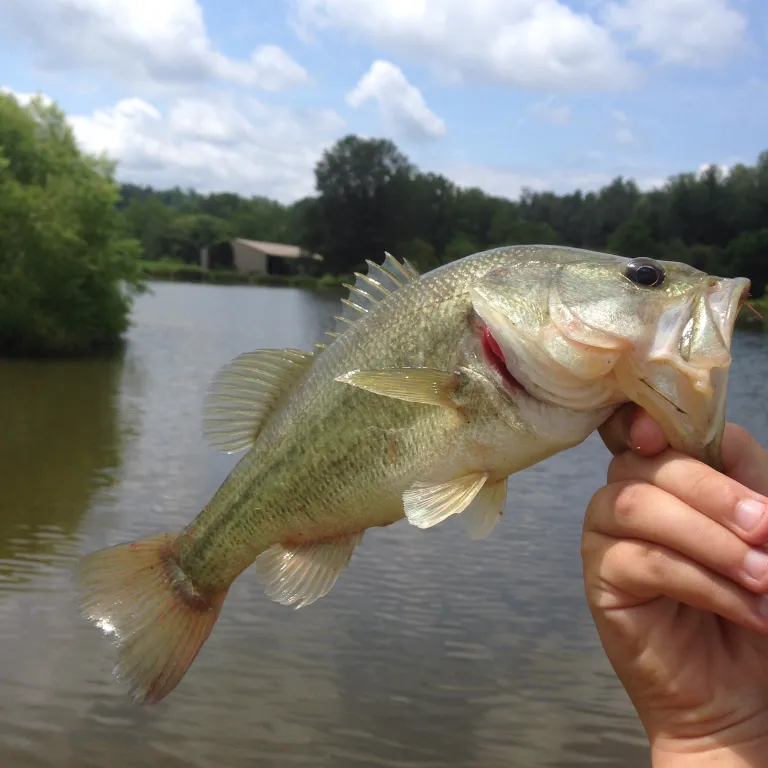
[(304, 573), (415, 385), (245, 391), (481, 516), (427, 504)]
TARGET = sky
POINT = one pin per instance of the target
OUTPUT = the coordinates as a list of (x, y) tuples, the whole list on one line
[(245, 95)]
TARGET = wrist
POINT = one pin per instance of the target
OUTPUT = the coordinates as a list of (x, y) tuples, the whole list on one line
[(710, 751)]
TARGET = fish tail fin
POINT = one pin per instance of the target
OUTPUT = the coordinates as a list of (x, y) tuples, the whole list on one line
[(138, 594)]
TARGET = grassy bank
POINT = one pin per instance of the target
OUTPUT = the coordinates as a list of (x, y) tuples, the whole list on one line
[(191, 273)]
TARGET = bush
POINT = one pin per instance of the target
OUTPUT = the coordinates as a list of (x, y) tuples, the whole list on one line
[(67, 277)]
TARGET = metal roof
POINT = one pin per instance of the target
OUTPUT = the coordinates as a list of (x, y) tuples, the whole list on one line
[(279, 249)]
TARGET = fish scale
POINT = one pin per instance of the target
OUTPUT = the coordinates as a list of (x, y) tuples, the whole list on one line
[(433, 390)]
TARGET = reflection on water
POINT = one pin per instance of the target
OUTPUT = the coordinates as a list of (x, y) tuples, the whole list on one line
[(60, 447), (430, 651)]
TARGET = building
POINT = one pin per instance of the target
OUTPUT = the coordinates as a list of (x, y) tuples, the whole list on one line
[(265, 258)]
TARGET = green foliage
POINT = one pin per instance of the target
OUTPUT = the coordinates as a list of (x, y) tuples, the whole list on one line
[(632, 238), (420, 253), (67, 271), (459, 247), (371, 199), (747, 254)]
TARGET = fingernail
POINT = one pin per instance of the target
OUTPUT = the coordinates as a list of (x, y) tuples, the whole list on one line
[(756, 564), (749, 513)]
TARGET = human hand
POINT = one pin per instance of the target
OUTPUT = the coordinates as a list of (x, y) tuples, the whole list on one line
[(675, 574)]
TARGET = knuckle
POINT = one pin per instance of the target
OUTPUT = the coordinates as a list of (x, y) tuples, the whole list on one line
[(602, 499), (590, 546), (629, 498), (655, 564), (708, 486)]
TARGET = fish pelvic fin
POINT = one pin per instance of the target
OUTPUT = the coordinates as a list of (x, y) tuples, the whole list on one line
[(381, 281), (300, 574), (485, 510), (138, 595), (416, 385), (427, 504), (246, 391)]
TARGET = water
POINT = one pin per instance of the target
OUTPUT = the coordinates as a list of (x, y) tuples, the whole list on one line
[(431, 651)]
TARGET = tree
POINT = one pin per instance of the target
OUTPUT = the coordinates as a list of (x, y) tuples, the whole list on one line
[(150, 222), (67, 274), (361, 184), (460, 247), (192, 232), (747, 255), (420, 253), (370, 198), (632, 238)]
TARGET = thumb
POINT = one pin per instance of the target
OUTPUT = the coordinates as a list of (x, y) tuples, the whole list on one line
[(631, 428)]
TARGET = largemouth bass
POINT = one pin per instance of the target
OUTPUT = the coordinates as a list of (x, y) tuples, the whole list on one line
[(434, 390)]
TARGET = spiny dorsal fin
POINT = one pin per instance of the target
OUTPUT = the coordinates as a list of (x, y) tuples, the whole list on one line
[(246, 390), (380, 282)]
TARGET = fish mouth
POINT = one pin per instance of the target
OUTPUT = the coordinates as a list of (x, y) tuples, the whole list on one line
[(682, 379), (494, 357)]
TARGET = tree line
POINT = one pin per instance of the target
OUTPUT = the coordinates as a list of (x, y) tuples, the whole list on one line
[(371, 198), (72, 239)]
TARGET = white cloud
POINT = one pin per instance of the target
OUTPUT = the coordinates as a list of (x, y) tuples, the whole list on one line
[(622, 132), (550, 113), (401, 104), (723, 168), (241, 146), (161, 42), (684, 32), (523, 43), (509, 182), (25, 98)]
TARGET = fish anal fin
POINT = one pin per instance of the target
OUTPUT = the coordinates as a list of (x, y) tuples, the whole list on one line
[(415, 385), (427, 504), (246, 390), (300, 574), (485, 510), (139, 596), (369, 289)]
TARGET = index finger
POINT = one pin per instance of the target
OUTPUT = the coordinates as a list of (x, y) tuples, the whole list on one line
[(715, 495)]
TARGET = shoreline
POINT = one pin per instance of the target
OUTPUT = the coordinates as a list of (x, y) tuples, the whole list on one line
[(191, 273)]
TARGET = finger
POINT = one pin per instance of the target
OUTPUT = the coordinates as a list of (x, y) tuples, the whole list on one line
[(637, 510), (631, 428), (646, 435), (744, 459), (712, 493), (642, 571)]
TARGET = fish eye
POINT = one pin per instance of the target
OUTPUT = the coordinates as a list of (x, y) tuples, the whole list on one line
[(646, 272)]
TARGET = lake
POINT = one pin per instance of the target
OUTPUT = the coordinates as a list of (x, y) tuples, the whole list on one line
[(431, 651)]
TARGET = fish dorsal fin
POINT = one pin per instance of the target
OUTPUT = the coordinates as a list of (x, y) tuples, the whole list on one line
[(246, 390), (381, 281)]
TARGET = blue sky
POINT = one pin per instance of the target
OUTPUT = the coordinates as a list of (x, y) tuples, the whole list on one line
[(244, 95)]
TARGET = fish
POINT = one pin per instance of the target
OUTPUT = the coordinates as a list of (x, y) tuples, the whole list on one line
[(432, 390)]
